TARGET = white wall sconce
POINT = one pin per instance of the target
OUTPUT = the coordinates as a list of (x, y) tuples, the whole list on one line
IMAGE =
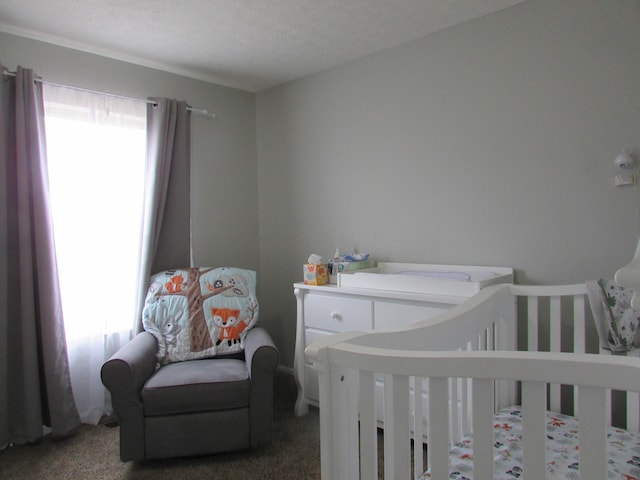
[(624, 160)]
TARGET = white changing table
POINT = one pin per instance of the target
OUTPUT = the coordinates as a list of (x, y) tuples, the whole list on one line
[(390, 296)]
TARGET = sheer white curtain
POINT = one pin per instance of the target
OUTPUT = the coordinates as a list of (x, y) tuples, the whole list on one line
[(96, 146)]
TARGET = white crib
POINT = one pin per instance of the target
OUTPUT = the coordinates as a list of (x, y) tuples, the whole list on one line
[(458, 369)]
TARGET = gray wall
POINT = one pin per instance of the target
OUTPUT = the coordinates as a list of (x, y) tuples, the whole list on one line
[(223, 166), (490, 143)]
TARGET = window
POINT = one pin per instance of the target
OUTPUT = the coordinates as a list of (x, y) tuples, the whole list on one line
[(96, 158)]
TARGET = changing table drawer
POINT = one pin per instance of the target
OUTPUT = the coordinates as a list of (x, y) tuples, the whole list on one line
[(395, 314), (326, 310), (337, 314)]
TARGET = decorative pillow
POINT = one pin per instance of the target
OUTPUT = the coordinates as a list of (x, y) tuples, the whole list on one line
[(200, 312)]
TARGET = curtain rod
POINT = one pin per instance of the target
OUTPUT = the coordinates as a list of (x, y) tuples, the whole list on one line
[(144, 100)]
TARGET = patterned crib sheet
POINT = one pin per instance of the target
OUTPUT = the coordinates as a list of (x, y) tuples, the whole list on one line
[(623, 450)]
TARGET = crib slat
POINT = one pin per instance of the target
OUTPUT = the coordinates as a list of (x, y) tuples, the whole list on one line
[(482, 341), (608, 405), (344, 423), (633, 403), (555, 332), (534, 398), (483, 428), (555, 324), (607, 408), (418, 426), (327, 451), (368, 434), (397, 442), (633, 408), (579, 335), (438, 429), (466, 407), (454, 416), (592, 433), (579, 324), (467, 410), (491, 337), (532, 324)]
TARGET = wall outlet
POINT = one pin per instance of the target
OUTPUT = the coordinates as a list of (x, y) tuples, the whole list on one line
[(625, 179)]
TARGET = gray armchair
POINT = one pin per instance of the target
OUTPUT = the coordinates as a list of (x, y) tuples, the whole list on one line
[(192, 407)]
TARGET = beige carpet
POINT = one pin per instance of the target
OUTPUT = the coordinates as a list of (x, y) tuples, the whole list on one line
[(92, 453)]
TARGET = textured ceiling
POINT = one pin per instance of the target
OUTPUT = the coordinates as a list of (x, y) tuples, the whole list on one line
[(247, 44)]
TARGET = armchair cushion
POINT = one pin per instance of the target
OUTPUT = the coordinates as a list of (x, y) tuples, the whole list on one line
[(197, 386), (200, 312)]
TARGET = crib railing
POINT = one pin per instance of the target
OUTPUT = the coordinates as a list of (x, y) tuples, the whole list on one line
[(350, 457), (558, 319), (562, 310), (484, 322), (455, 371)]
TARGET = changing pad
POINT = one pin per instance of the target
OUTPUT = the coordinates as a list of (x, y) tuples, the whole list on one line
[(623, 450), (430, 279)]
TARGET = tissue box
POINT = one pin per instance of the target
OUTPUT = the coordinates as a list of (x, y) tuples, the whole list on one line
[(316, 273)]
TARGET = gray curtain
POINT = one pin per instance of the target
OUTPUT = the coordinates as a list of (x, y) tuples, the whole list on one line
[(35, 388), (166, 231)]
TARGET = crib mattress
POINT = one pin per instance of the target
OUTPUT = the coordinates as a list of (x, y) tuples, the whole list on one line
[(623, 449)]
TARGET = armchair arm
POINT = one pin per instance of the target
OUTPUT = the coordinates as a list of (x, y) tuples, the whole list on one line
[(124, 375), (260, 352), (262, 359)]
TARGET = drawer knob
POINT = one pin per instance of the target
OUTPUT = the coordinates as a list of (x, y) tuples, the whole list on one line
[(335, 315)]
